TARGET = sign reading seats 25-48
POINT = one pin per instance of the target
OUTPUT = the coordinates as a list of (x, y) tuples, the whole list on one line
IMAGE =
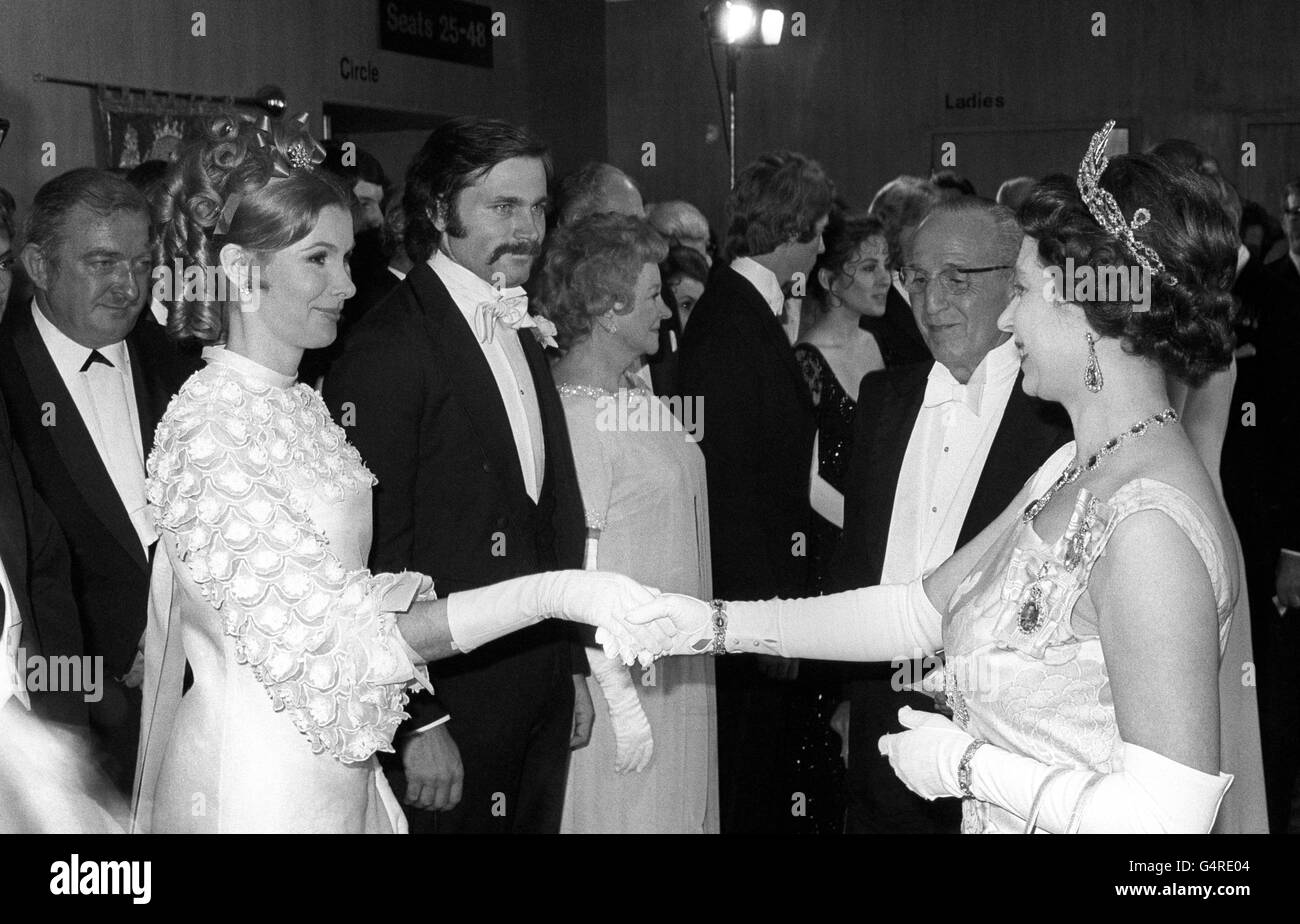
[(448, 29)]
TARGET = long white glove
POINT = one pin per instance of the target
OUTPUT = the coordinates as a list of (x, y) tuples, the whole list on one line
[(634, 744), (594, 598), (882, 623), (1150, 794)]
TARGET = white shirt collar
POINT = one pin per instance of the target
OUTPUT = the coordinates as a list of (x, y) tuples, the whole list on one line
[(466, 288), (999, 365), (68, 355), (763, 279), (396, 272), (220, 356)]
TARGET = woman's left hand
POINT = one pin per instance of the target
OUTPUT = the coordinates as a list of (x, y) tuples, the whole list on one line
[(926, 757)]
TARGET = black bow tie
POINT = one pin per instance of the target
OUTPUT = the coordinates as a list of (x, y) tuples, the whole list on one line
[(95, 357)]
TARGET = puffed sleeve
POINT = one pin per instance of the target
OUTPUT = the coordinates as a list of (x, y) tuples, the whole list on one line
[(323, 640)]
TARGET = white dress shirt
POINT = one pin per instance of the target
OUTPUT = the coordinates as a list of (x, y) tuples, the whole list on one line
[(505, 355), (763, 279), (13, 676), (944, 460), (105, 399)]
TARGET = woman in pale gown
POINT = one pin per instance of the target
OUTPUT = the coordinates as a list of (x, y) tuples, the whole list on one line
[(651, 766), (1090, 663), (301, 658)]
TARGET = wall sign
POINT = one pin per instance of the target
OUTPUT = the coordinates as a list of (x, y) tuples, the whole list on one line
[(451, 30)]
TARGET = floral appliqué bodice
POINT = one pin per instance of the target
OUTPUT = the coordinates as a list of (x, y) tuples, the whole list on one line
[(260, 492), (1023, 664)]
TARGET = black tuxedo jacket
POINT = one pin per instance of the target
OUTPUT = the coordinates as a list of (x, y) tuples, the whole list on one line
[(417, 398), (110, 570), (35, 558), (758, 428), (888, 404)]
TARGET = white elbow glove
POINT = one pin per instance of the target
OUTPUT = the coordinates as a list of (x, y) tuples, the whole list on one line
[(634, 743), (1149, 794), (594, 598), (881, 623)]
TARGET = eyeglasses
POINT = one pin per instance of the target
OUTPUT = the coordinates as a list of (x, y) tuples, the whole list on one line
[(953, 280), (1291, 213)]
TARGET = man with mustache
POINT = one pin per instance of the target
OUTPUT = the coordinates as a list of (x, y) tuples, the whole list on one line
[(445, 390), (86, 375)]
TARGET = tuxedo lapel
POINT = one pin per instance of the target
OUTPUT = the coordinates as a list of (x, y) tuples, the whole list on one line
[(548, 405), (894, 421), (471, 378), (73, 441), (773, 334), (151, 395), (1023, 442)]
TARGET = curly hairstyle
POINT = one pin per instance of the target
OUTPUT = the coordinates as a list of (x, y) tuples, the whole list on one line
[(845, 234), (590, 265), (1187, 329), (778, 196), (273, 213)]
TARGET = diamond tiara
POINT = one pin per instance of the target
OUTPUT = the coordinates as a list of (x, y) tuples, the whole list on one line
[(1106, 211)]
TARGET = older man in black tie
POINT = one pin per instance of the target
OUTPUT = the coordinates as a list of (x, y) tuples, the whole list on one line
[(940, 448), (86, 379)]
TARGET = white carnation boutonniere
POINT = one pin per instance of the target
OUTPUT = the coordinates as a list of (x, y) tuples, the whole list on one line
[(544, 331)]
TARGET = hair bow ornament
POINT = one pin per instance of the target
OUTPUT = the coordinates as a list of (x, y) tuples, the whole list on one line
[(289, 146)]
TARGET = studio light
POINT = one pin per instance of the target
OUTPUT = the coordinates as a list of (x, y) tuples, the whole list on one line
[(736, 23)]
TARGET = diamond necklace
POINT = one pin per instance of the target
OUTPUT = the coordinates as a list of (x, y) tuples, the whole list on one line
[(1111, 446)]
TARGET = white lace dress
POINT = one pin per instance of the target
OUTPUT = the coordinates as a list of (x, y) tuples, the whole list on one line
[(260, 584)]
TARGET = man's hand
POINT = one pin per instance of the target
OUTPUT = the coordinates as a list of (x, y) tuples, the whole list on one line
[(840, 725), (434, 773), (775, 668), (1288, 579), (584, 714)]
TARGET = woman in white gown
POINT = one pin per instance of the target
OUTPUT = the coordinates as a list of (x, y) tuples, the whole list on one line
[(1084, 631), (301, 658), (652, 764)]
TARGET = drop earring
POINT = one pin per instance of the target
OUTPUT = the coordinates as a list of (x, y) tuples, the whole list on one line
[(1092, 378), (612, 326)]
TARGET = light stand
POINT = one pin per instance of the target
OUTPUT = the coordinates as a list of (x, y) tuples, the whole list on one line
[(734, 24)]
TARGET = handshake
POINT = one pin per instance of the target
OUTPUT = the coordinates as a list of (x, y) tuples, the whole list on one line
[(633, 622)]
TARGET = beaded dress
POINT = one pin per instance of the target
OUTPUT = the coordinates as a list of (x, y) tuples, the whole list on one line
[(1023, 666), (260, 585), (819, 768)]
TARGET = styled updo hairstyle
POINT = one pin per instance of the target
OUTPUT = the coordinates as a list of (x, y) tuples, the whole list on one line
[(273, 212), (590, 265), (845, 234), (1188, 326)]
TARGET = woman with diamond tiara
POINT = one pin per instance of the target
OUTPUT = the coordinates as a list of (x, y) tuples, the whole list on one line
[(301, 657), (1082, 631)]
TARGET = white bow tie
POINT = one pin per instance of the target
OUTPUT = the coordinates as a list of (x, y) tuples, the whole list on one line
[(939, 393), (510, 308)]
